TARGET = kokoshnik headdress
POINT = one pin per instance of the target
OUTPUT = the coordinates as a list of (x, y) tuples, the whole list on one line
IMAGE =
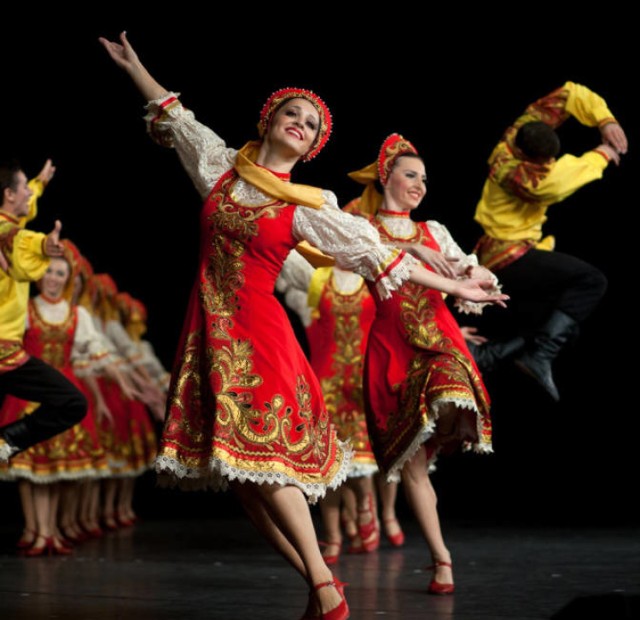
[(394, 146), (277, 99)]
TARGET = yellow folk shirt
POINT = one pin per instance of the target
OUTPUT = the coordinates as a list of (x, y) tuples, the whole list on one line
[(24, 251), (517, 193)]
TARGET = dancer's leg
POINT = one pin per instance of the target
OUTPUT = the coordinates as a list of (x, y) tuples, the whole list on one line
[(422, 499)]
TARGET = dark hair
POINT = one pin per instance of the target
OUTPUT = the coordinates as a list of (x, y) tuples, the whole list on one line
[(537, 140), (407, 154), (378, 185), (8, 175)]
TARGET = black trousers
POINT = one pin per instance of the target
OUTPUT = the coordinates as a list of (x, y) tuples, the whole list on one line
[(62, 404), (539, 283)]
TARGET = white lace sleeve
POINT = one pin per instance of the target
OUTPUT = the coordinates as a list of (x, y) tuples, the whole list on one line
[(113, 356), (202, 152), (153, 365), (354, 243), (121, 339), (293, 283), (89, 353), (449, 247), (452, 250)]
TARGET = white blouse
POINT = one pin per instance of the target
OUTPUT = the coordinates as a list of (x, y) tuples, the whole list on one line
[(88, 348)]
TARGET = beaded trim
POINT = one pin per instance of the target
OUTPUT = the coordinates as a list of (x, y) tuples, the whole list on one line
[(279, 97), (393, 146), (400, 214)]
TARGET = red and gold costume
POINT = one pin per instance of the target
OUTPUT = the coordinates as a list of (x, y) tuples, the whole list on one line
[(244, 402), (337, 310), (417, 360), (130, 441), (57, 333)]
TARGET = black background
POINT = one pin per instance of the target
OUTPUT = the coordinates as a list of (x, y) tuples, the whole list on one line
[(133, 212)]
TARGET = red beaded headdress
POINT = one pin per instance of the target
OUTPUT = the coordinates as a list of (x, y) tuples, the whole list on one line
[(394, 146), (139, 310), (275, 101), (70, 254)]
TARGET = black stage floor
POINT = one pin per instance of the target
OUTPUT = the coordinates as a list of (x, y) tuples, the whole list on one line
[(220, 569)]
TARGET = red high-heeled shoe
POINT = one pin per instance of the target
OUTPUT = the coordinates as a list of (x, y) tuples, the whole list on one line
[(74, 536), (331, 558), (341, 612), (397, 539), (435, 587), (61, 547), (45, 549), (94, 532), (51, 546), (123, 521), (312, 612), (109, 523), (369, 532), (27, 539)]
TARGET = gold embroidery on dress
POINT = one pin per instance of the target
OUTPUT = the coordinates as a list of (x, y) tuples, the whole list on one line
[(57, 337), (234, 405), (348, 335), (232, 225), (188, 388), (312, 440)]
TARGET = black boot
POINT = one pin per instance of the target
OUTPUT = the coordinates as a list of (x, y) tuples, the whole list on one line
[(488, 355), (536, 360), (16, 434)]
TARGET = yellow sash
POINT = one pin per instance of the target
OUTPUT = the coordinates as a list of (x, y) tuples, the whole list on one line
[(371, 199), (291, 193)]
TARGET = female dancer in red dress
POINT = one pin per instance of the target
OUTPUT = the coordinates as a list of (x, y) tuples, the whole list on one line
[(423, 390), (245, 409), (336, 309), (61, 334)]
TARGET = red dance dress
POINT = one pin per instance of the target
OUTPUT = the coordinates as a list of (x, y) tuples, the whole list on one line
[(337, 310), (244, 402), (141, 441), (76, 453), (417, 360)]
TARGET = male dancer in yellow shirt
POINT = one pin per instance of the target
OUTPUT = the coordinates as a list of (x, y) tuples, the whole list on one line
[(524, 180), (24, 259)]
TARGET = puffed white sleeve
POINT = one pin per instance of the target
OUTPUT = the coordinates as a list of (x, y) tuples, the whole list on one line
[(125, 346), (451, 249), (293, 282), (204, 155), (89, 353), (153, 365), (354, 243)]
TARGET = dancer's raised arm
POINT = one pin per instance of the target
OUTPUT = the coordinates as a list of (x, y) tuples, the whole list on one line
[(127, 59)]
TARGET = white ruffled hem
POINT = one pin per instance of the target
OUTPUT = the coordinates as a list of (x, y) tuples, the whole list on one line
[(393, 475), (13, 476), (217, 476), (361, 470)]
